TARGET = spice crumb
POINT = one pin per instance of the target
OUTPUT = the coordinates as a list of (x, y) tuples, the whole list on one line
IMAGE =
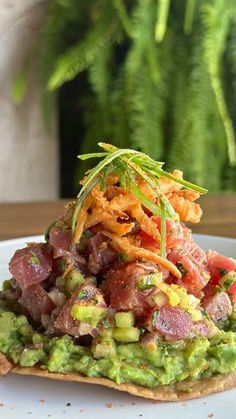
[(29, 413), (1, 404), (49, 415), (68, 404), (140, 414), (41, 401), (110, 405), (210, 415), (81, 410), (133, 404)]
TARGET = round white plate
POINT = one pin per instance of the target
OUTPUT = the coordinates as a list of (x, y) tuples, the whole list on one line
[(25, 397)]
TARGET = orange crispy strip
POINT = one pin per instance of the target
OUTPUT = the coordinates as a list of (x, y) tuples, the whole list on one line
[(82, 217), (93, 219), (145, 223), (68, 269), (119, 228), (188, 211), (183, 204), (147, 190), (181, 200), (123, 244), (98, 197), (109, 221), (100, 201), (123, 202), (168, 185)]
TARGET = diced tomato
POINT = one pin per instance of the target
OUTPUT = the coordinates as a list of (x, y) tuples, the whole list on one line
[(174, 232), (147, 242), (232, 289), (219, 265), (194, 274), (209, 290)]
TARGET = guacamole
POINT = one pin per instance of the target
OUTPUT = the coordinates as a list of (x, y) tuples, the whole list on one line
[(127, 362)]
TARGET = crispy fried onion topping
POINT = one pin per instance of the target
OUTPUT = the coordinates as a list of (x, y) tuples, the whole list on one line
[(118, 210), (182, 200)]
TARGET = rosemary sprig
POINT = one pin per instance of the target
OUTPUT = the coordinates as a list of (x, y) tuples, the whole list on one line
[(127, 164)]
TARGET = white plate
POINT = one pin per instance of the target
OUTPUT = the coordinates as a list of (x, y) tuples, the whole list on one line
[(39, 398)]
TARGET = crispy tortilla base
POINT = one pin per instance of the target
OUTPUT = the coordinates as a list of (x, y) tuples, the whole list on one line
[(5, 365), (180, 391)]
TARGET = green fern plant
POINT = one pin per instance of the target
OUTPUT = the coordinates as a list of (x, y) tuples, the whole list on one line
[(159, 77)]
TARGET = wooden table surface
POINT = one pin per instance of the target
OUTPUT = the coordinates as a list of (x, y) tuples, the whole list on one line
[(26, 219)]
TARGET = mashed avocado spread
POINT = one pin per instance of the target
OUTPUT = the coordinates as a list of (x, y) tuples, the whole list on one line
[(127, 362)]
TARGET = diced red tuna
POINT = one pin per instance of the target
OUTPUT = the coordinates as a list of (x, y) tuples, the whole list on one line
[(172, 323), (65, 322), (196, 252), (101, 254), (61, 241), (218, 306), (31, 265), (120, 286), (35, 302)]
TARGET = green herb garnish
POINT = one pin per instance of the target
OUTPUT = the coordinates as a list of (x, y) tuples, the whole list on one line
[(181, 268), (47, 232), (155, 314), (123, 257), (226, 281), (34, 260), (82, 294), (127, 164), (222, 271)]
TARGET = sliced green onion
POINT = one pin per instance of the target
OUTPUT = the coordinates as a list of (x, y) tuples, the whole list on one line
[(144, 282), (227, 280)]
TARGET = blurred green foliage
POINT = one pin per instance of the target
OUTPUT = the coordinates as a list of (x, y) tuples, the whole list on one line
[(160, 77)]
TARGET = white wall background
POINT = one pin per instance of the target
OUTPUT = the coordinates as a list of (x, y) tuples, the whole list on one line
[(28, 154)]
